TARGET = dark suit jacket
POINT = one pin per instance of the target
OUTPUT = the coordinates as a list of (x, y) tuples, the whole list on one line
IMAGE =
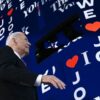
[(16, 82)]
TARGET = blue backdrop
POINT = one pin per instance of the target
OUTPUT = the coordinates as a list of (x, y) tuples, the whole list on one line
[(65, 38)]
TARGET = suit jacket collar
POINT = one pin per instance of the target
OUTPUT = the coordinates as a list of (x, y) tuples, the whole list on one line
[(17, 54), (7, 55)]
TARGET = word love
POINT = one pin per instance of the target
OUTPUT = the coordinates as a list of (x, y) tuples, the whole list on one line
[(94, 27), (71, 63), (9, 13)]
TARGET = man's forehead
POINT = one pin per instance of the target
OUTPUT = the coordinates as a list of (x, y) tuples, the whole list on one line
[(21, 35), (24, 36)]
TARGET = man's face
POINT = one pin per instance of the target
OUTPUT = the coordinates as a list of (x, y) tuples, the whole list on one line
[(22, 44)]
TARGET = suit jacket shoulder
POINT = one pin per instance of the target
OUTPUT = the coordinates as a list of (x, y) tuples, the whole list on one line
[(11, 65), (7, 54)]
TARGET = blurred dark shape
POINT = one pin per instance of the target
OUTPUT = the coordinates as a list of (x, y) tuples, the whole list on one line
[(65, 27)]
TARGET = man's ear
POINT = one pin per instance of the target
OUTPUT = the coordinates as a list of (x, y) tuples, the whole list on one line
[(14, 41)]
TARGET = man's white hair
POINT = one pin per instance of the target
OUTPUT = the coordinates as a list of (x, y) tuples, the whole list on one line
[(12, 35)]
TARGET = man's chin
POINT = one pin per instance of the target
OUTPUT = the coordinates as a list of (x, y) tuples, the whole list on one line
[(27, 53)]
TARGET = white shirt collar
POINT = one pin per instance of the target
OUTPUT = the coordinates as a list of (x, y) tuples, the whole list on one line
[(17, 55)]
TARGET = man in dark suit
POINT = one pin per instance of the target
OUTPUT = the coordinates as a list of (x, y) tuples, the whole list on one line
[(16, 82)]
